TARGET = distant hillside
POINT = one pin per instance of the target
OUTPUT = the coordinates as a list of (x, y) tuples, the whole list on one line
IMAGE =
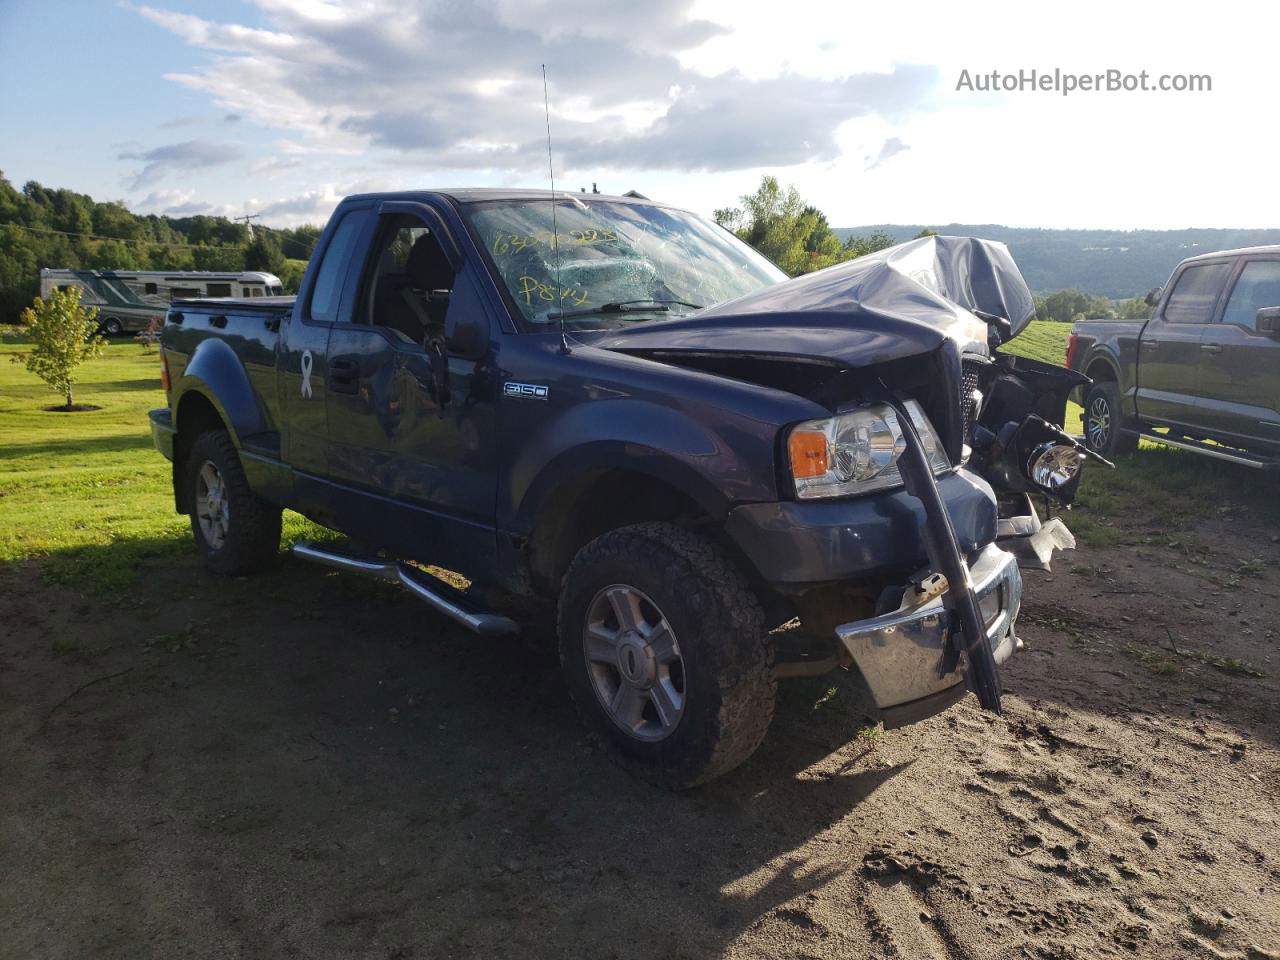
[(1107, 263)]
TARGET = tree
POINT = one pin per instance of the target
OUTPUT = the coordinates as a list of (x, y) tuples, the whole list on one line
[(263, 253), (926, 232), (291, 275), (793, 234), (64, 335), (855, 246), (1063, 305), (774, 221)]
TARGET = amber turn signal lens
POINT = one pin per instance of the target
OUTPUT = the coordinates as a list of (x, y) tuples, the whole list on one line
[(808, 454)]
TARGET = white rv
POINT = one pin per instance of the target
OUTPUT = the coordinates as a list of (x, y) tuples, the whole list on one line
[(129, 299)]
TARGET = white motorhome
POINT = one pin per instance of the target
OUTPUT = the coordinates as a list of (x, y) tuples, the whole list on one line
[(130, 299)]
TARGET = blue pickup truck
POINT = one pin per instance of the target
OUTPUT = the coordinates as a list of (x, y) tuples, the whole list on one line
[(614, 410)]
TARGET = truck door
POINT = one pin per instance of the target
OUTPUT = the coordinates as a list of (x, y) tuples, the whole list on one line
[(411, 424), (1240, 369), (1169, 348), (302, 362)]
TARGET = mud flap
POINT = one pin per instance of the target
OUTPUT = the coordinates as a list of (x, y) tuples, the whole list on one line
[(982, 676)]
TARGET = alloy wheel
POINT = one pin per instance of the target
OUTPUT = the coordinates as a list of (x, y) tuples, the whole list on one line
[(213, 509), (634, 663), (1098, 423)]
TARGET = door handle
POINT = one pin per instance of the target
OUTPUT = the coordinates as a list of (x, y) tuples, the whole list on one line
[(1211, 347), (272, 324), (344, 376)]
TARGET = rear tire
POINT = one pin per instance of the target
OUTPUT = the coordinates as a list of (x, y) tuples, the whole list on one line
[(236, 531), (112, 327), (1106, 430), (679, 682)]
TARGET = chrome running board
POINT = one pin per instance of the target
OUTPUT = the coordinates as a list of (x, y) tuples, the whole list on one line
[(436, 593)]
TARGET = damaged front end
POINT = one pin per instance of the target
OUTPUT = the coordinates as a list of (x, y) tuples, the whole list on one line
[(1019, 447), (903, 348)]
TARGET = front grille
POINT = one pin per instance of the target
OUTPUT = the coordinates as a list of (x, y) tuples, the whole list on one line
[(970, 372)]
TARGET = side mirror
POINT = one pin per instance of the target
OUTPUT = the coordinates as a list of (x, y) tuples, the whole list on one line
[(468, 338), (1267, 322), (1153, 296)]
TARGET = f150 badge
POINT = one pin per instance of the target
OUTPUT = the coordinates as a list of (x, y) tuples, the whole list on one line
[(524, 391)]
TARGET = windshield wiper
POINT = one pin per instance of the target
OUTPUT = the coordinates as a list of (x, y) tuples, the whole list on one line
[(624, 306)]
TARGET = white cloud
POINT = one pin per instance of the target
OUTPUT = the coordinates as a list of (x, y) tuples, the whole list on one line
[(189, 155), (890, 148), (178, 203), (465, 91), (691, 100)]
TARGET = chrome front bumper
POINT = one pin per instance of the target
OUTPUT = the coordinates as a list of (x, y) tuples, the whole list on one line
[(904, 655)]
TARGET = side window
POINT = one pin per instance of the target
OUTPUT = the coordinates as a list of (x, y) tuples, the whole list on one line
[(1196, 293), (184, 293), (327, 295), (409, 281), (218, 289), (150, 288), (1258, 286)]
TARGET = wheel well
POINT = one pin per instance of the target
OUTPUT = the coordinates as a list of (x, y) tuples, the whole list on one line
[(1101, 370), (586, 507), (604, 500), (196, 414)]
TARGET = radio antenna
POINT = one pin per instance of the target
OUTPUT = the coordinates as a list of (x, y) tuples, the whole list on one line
[(555, 233)]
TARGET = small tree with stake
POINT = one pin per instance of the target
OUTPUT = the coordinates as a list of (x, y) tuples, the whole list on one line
[(64, 335)]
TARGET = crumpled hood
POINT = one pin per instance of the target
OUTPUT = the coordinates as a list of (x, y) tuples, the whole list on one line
[(896, 303)]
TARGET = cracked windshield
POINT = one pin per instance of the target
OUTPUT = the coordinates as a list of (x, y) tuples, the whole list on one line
[(619, 263)]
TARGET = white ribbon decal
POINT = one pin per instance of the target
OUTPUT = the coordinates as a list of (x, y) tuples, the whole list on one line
[(306, 374)]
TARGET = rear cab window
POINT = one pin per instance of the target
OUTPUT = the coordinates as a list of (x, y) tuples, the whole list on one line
[(336, 266)]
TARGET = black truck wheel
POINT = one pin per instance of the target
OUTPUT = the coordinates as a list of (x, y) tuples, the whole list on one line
[(1106, 430), (665, 653), (112, 327), (236, 531)]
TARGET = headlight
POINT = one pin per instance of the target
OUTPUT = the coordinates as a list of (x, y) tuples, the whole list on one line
[(1052, 466), (856, 452)]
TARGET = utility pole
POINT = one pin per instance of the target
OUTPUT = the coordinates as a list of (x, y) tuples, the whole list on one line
[(248, 221)]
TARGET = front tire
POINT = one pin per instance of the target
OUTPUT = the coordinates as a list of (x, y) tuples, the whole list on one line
[(112, 327), (665, 653), (1106, 430), (236, 531)]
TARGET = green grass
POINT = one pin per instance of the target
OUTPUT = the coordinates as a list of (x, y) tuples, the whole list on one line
[(1046, 340), (1042, 340), (86, 492), (1160, 661), (72, 484)]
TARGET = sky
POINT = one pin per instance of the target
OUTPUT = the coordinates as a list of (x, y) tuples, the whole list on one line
[(876, 112)]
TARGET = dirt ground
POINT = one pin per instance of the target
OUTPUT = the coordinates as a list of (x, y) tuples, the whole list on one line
[(306, 765)]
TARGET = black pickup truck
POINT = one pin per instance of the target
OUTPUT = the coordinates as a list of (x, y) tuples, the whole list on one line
[(614, 409), (1205, 366)]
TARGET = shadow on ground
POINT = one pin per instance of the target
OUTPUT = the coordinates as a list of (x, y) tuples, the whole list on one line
[(304, 764)]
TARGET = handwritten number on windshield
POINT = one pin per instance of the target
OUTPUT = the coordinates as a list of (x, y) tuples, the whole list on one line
[(505, 244), (531, 287)]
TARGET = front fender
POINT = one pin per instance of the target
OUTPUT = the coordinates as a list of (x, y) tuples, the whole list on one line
[(713, 469), (216, 373)]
